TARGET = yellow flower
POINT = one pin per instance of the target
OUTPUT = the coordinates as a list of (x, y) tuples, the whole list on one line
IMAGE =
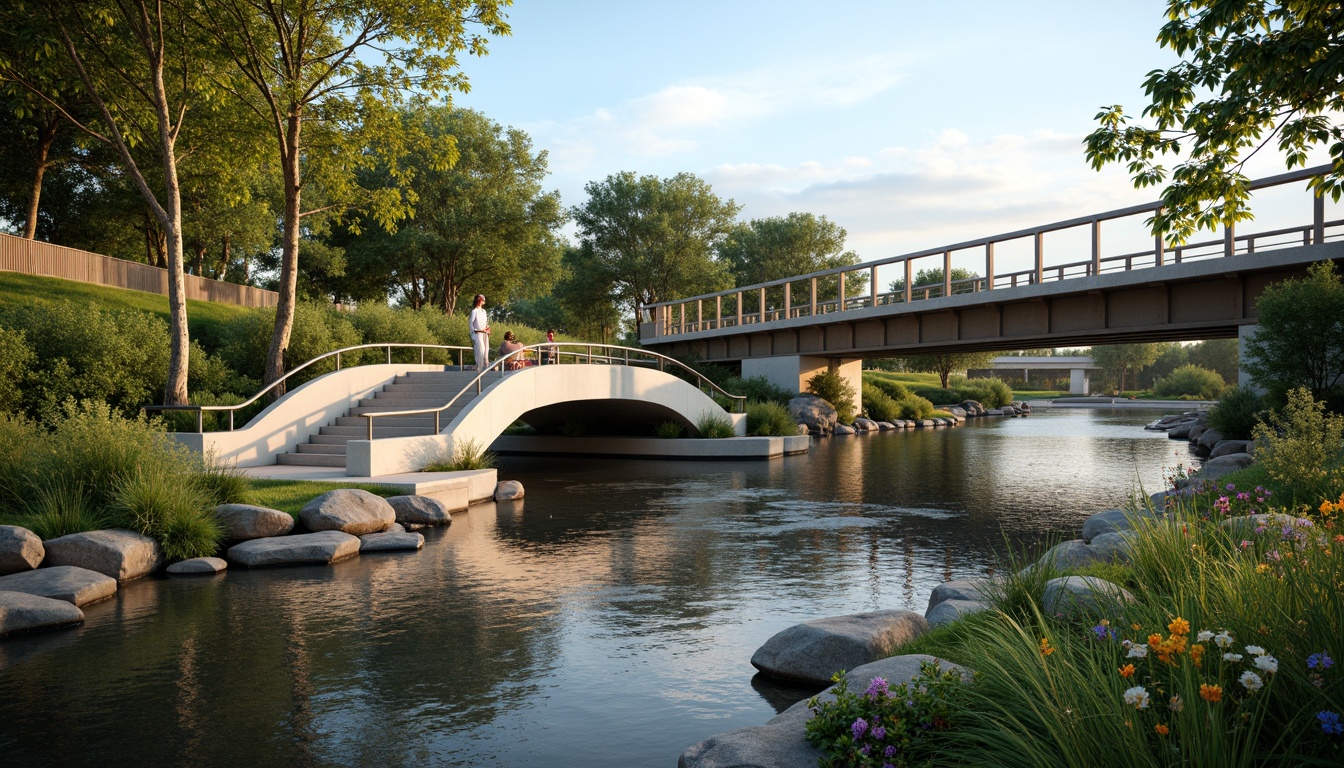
[(1211, 693), (1154, 640), (1127, 671), (1136, 627), (1179, 626), (1046, 650), (1262, 568), (1196, 654), (1161, 729)]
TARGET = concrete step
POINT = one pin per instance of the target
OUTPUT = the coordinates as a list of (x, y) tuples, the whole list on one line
[(447, 413), (391, 421), (332, 449), (311, 460), (330, 440), (403, 403), (361, 433)]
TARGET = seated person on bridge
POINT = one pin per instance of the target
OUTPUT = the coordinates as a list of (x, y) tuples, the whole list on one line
[(509, 346)]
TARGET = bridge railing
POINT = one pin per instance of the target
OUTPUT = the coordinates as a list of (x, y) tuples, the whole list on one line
[(776, 300), (562, 352), (279, 384)]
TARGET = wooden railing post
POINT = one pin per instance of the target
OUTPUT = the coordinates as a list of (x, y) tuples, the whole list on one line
[(1096, 247), (812, 299), (840, 294), (989, 266), (718, 311), (909, 279), (1230, 240), (1040, 257), (762, 308), (739, 309), (1318, 220), (947, 273), (872, 284), (788, 300)]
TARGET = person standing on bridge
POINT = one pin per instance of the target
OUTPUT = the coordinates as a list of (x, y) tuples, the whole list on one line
[(480, 332)]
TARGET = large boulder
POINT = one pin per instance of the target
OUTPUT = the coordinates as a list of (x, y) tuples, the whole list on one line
[(1069, 555), (391, 541), (121, 554), (508, 490), (959, 589), (322, 548), (949, 611), (814, 413), (348, 510), (77, 586), (22, 612), (20, 549), (1224, 465), (1105, 521), (1229, 447), (1209, 438), (1112, 547), (813, 651), (844, 429), (420, 510), (1075, 595), (244, 522), (865, 425), (198, 566)]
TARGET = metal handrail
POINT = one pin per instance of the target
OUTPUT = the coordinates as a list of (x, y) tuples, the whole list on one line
[(201, 409), (555, 348)]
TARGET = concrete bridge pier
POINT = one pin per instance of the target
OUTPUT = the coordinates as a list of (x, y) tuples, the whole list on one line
[(1244, 334), (1078, 381), (791, 372)]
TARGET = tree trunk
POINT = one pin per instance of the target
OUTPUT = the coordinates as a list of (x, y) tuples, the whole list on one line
[(289, 259), (224, 257), (46, 136), (199, 266)]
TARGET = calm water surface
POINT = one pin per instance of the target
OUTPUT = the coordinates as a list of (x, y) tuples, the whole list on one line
[(607, 620)]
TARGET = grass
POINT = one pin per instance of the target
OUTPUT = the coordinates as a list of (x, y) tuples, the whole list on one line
[(290, 495)]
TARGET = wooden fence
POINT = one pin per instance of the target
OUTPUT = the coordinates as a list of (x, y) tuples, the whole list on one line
[(34, 257)]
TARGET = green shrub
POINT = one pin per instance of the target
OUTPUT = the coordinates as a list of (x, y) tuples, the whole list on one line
[(317, 329), (16, 363), (20, 442), (836, 390), (991, 393), (222, 482), (758, 389), (468, 454), (938, 395), (915, 408), (1299, 445), (714, 426), (163, 502), (1191, 381), (1236, 413), (667, 430), (878, 405), (769, 418), (377, 322), (893, 389)]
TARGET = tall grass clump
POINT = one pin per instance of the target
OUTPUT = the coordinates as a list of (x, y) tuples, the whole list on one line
[(989, 392), (467, 454), (758, 389), (222, 481), (714, 426), (915, 408), (667, 430), (167, 504), (52, 510), (766, 419), (836, 390)]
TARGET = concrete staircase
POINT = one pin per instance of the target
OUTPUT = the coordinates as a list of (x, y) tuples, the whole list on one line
[(420, 389)]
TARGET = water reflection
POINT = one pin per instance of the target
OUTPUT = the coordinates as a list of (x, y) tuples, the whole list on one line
[(607, 620)]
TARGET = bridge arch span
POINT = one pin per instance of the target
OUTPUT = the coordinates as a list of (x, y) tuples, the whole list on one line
[(620, 394)]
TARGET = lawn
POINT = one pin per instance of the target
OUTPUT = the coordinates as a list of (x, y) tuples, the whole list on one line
[(290, 495), (912, 380)]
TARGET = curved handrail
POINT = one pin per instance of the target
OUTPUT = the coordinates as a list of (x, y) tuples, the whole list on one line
[(201, 409), (555, 348)]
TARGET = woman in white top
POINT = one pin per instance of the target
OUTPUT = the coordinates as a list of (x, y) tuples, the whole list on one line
[(480, 332)]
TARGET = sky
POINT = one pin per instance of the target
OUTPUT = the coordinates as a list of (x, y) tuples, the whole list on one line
[(912, 125)]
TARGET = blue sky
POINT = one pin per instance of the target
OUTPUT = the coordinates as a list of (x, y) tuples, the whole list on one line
[(912, 125)]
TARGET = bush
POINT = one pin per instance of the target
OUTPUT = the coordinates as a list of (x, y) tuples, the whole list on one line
[(1236, 413), (52, 509), (317, 329), (20, 442), (834, 389), (16, 363), (893, 389), (468, 454), (714, 426), (991, 392), (938, 395), (222, 483), (914, 408), (877, 405), (1300, 445), (766, 419), (667, 430), (1191, 381), (758, 389), (163, 502)]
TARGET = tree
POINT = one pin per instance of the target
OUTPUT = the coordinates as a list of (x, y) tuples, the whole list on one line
[(327, 77), (1219, 355), (1118, 359), (1252, 73), (655, 238), (584, 294), (485, 225), (946, 365), (1299, 338), (931, 280), (784, 246)]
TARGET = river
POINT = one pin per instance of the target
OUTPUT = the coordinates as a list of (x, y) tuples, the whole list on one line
[(607, 620)]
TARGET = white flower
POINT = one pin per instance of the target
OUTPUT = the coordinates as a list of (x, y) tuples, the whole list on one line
[(1204, 636), (1223, 639), (1257, 650), (1267, 663), (1252, 681), (1137, 651), (1232, 657), (1137, 696)]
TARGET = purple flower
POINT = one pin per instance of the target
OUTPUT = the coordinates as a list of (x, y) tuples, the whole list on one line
[(888, 765), (865, 750), (890, 751), (1330, 722), (1103, 632), (1320, 660), (878, 687), (879, 733), (859, 728), (1231, 487)]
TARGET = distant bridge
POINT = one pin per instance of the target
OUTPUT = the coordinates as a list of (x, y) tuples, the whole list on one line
[(1078, 366), (787, 330)]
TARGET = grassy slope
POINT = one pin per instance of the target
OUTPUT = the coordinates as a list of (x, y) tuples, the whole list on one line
[(290, 495), (912, 380)]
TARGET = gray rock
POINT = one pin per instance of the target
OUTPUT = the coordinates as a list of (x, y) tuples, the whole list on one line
[(1181, 432), (994, 412), (420, 510), (22, 612), (957, 411), (1224, 465), (121, 554), (926, 423), (803, 430), (1069, 555), (885, 426), (866, 425), (1074, 595), (949, 611), (1195, 431), (1105, 521), (1245, 527), (972, 407), (816, 414), (1112, 547), (243, 522), (814, 650), (20, 549), (77, 586), (1228, 447), (321, 548), (958, 589), (843, 429), (199, 566), (390, 542), (1209, 438), (508, 490), (348, 510)]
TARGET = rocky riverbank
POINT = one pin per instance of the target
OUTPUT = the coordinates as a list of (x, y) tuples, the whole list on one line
[(1221, 455), (816, 416)]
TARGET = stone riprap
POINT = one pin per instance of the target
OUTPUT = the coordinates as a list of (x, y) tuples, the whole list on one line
[(420, 510), (843, 429), (22, 612), (814, 413), (949, 611), (390, 541), (77, 586), (20, 549), (508, 490), (198, 566), (348, 510), (1076, 595), (1105, 521), (322, 548), (244, 522), (121, 554), (813, 651)]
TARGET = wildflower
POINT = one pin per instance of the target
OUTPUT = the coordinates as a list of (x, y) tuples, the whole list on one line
[(1103, 632), (1339, 538), (1176, 704), (1262, 568), (865, 750), (1320, 660), (1179, 626), (877, 687), (1330, 722), (1137, 651), (1137, 696), (879, 733), (1196, 654), (1046, 650), (1232, 657), (1162, 729), (1257, 650), (859, 728), (890, 751), (1127, 671), (1204, 636), (1223, 639), (1154, 640), (1251, 681), (1245, 544), (1267, 664), (1211, 693), (1136, 627)]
